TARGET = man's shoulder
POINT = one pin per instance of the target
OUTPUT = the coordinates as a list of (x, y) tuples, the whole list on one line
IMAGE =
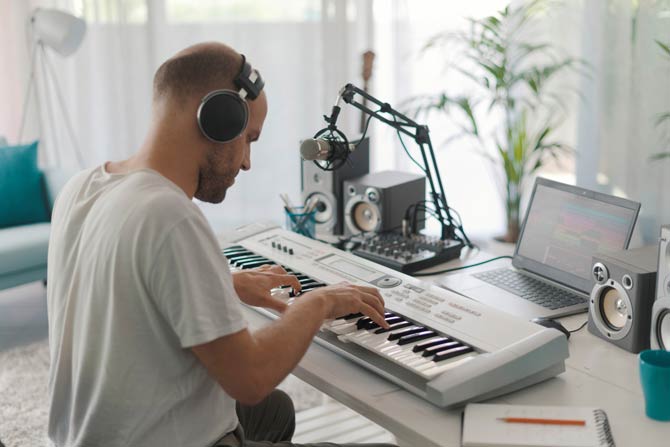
[(156, 198)]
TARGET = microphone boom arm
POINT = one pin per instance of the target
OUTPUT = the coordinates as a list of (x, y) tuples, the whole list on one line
[(420, 134)]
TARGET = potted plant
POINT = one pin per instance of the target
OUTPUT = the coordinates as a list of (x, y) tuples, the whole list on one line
[(510, 75)]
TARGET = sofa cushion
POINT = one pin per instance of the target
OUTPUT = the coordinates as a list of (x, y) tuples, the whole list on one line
[(24, 247), (22, 194)]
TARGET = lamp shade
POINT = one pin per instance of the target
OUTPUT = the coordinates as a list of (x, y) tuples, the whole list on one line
[(59, 30)]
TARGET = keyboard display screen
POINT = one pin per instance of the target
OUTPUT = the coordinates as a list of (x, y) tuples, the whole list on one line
[(564, 230)]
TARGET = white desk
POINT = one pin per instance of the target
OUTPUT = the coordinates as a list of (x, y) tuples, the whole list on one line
[(597, 374)]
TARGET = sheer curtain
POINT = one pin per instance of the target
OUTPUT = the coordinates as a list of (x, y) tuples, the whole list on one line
[(628, 90), (306, 50)]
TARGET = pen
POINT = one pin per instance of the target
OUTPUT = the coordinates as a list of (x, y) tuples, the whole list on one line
[(542, 421)]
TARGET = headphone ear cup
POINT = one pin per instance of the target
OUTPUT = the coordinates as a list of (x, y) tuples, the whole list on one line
[(222, 116)]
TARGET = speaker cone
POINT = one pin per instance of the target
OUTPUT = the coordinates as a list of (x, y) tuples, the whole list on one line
[(324, 208), (365, 216), (613, 309)]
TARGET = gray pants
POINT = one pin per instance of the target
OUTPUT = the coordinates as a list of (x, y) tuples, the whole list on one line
[(271, 423)]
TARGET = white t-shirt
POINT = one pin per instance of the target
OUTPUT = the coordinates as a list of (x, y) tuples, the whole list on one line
[(135, 278)]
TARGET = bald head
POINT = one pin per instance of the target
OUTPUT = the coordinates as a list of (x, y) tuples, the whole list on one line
[(196, 71)]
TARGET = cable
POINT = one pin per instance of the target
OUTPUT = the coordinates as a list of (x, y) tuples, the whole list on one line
[(365, 131), (579, 328), (402, 142), (439, 272)]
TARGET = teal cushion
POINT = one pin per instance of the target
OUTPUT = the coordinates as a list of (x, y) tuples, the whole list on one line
[(22, 195)]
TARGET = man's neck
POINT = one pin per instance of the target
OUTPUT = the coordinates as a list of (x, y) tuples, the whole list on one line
[(183, 173)]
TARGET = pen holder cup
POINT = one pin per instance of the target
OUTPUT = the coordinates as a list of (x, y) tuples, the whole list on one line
[(655, 378), (301, 222)]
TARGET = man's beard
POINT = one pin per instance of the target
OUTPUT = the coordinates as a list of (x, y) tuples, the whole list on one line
[(212, 187)]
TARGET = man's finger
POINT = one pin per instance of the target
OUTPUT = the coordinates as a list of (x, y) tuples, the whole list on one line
[(373, 301), (278, 269), (373, 291), (286, 280), (374, 315)]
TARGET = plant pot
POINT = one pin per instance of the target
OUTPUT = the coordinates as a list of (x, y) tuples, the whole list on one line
[(512, 234), (512, 208)]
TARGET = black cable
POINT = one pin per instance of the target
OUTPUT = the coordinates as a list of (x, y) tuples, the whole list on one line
[(579, 328), (439, 272)]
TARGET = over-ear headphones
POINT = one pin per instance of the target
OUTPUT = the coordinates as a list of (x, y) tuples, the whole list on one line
[(223, 114)]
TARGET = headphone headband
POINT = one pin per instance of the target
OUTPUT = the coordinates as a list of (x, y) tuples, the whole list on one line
[(249, 81)]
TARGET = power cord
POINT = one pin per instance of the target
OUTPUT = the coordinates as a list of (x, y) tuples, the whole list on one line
[(439, 272), (579, 328)]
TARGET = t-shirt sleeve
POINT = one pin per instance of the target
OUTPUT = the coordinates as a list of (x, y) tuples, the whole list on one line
[(192, 286)]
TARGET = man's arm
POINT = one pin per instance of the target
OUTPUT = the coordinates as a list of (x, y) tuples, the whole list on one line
[(248, 366)]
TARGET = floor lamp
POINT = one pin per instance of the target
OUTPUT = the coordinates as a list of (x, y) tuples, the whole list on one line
[(63, 33)]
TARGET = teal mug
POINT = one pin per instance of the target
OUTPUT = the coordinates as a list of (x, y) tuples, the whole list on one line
[(655, 378)]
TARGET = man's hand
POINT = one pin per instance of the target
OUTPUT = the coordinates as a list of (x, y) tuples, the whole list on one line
[(343, 299), (253, 286)]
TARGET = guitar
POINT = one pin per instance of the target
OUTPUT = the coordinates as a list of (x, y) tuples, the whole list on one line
[(368, 59)]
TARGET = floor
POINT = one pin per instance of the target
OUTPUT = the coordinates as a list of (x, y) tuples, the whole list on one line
[(23, 315), (23, 319)]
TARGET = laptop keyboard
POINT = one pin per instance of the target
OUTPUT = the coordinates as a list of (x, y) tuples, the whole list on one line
[(531, 289)]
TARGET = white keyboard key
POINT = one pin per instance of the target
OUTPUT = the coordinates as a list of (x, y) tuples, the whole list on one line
[(343, 329)]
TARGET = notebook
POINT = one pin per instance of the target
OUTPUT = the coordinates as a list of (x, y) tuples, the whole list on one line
[(483, 428)]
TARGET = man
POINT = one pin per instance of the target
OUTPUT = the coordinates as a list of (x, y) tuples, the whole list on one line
[(148, 343)]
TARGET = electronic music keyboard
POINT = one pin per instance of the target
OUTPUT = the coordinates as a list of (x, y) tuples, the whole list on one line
[(441, 346)]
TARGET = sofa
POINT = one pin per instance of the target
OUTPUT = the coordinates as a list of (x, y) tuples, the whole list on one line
[(23, 248)]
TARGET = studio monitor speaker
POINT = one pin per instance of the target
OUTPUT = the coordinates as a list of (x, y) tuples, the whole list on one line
[(377, 202), (660, 316), (623, 295), (326, 188)]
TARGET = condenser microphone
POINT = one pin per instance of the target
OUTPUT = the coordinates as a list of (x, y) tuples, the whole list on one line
[(330, 150)]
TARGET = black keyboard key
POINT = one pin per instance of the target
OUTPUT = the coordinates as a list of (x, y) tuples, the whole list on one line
[(395, 335), (242, 262), (407, 339), (233, 249), (393, 319), (312, 286), (255, 264), (437, 348), (393, 327), (427, 344), (352, 316), (244, 254), (451, 353), (360, 324)]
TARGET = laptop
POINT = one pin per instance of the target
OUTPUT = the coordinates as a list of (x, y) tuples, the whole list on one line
[(551, 276)]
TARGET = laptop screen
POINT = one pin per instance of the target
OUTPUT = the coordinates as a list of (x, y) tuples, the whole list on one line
[(566, 225)]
